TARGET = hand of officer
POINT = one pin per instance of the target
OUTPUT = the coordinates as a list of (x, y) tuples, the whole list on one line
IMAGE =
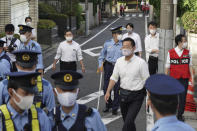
[(100, 69), (107, 95)]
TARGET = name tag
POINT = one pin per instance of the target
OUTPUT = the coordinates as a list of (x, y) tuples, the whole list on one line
[(185, 61)]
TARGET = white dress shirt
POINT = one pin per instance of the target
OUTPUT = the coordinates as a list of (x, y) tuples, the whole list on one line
[(179, 53), (132, 73), (69, 52), (137, 40), (8, 42), (151, 42)]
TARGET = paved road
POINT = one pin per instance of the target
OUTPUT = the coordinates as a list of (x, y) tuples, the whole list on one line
[(91, 47)]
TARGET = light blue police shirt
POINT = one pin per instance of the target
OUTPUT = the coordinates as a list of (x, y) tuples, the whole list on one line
[(20, 120), (171, 123), (110, 52), (4, 66)]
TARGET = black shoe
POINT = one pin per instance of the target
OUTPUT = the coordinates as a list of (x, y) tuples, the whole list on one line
[(114, 112), (106, 110)]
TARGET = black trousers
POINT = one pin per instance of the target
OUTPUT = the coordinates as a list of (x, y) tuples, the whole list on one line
[(182, 97), (131, 108), (152, 65), (68, 66), (108, 70)]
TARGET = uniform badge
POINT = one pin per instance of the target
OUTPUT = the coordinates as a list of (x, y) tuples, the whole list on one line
[(26, 57), (33, 81), (21, 27), (68, 78)]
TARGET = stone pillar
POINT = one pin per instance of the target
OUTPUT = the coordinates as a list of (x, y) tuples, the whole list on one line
[(5, 13), (33, 12)]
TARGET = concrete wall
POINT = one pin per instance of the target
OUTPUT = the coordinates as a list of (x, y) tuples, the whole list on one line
[(93, 20)]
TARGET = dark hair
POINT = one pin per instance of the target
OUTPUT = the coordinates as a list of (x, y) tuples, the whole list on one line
[(28, 18), (130, 40), (130, 24), (67, 30), (178, 38), (152, 23), (164, 104), (9, 28), (12, 85)]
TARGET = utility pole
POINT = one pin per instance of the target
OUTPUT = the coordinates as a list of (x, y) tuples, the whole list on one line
[(87, 18), (70, 18), (174, 19), (166, 34)]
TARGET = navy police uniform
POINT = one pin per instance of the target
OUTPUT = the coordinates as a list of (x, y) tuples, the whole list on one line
[(108, 56), (80, 117), (161, 87), (30, 119)]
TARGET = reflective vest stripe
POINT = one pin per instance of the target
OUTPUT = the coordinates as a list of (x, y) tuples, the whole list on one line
[(35, 122), (8, 121), (39, 86)]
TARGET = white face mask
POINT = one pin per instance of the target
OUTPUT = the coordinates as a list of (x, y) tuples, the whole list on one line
[(184, 45), (9, 37), (126, 52), (25, 101), (28, 23), (70, 38), (67, 99), (119, 37), (152, 31), (23, 38), (129, 31), (26, 71)]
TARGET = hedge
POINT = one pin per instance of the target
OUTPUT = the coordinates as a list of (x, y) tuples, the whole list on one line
[(46, 24), (189, 20)]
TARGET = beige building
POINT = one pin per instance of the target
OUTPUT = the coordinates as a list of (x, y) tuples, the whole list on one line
[(15, 11)]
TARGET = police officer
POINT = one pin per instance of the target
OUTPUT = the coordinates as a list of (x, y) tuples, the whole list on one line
[(19, 114), (163, 93), (11, 43), (28, 44), (107, 59), (5, 64), (26, 62), (70, 115), (179, 66)]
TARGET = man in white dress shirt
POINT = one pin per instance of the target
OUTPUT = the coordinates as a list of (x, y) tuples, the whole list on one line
[(135, 36), (132, 71), (68, 53), (152, 48), (28, 21)]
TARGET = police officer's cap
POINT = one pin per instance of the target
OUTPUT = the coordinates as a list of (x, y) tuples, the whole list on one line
[(117, 29), (24, 28), (24, 80), (2, 43), (26, 58), (67, 80), (161, 84)]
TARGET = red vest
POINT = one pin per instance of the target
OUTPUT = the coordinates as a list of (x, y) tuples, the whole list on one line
[(179, 66)]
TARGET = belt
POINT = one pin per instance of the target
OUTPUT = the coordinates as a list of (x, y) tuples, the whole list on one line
[(110, 63), (70, 62)]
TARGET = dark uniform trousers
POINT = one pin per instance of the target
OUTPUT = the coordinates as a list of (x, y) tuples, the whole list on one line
[(153, 65), (68, 66), (108, 70), (130, 104), (182, 97)]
